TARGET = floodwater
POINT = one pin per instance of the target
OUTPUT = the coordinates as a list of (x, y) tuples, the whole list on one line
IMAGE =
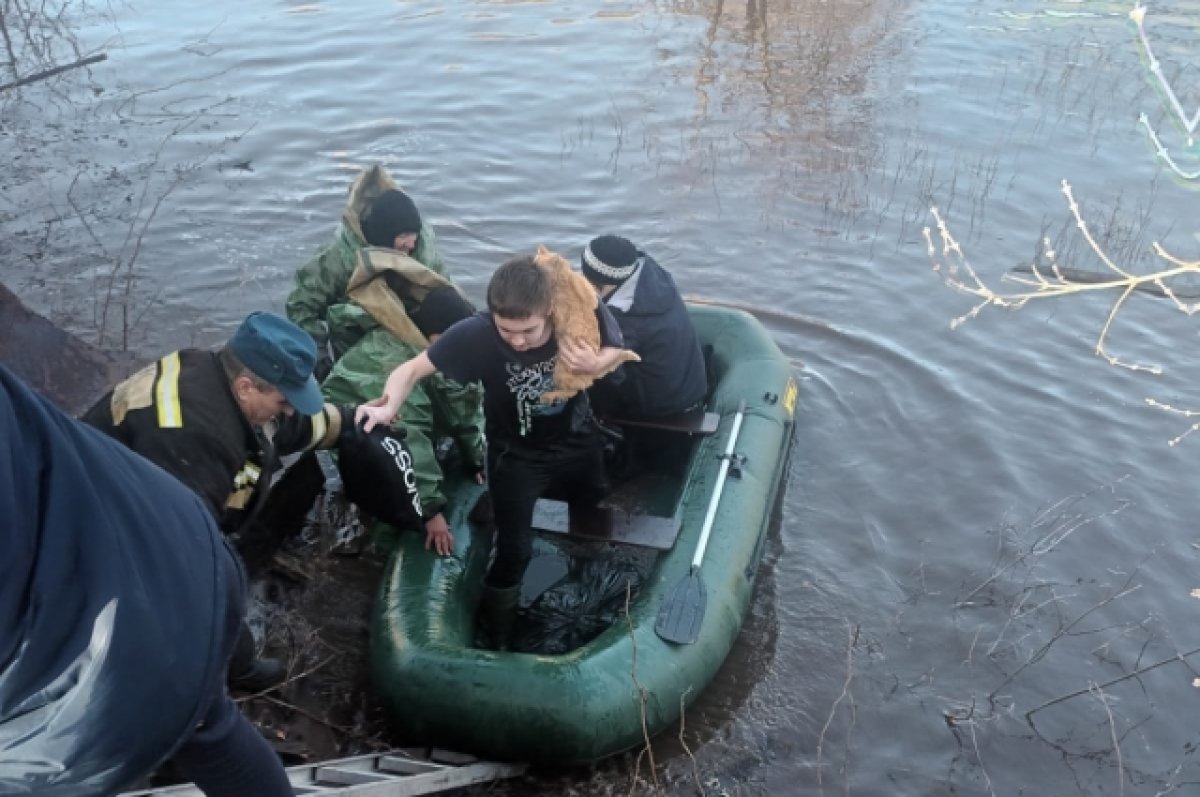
[(978, 521)]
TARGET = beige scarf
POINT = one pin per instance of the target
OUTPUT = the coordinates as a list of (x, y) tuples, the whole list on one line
[(370, 290)]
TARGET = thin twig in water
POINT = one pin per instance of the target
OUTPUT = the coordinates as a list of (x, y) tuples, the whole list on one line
[(1064, 630), (1062, 522), (646, 750), (1112, 729), (291, 679), (683, 742), (314, 717), (849, 736), (852, 639), (971, 651), (1180, 657), (979, 760)]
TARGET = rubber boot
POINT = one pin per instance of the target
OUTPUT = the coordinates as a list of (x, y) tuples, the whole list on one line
[(248, 673), (497, 613)]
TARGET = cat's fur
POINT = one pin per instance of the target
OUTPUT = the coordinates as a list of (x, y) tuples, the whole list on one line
[(573, 313)]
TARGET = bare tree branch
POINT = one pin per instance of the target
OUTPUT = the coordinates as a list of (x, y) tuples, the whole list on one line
[(49, 73), (1178, 657), (851, 641)]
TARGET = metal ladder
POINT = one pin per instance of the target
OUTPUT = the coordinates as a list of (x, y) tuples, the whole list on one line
[(399, 773)]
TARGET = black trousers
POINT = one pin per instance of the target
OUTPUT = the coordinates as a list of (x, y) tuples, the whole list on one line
[(225, 755), (518, 476)]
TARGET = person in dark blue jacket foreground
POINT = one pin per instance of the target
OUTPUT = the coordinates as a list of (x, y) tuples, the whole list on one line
[(119, 606)]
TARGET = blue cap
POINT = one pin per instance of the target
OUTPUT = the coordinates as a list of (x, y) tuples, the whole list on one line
[(283, 354)]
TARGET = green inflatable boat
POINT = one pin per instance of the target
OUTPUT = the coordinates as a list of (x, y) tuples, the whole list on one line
[(618, 584)]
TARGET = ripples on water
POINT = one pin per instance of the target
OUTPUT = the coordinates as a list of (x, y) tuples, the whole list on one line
[(780, 156)]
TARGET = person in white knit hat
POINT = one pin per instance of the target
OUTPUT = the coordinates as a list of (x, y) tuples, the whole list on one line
[(654, 321)]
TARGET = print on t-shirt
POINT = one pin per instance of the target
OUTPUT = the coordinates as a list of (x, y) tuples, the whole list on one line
[(527, 384)]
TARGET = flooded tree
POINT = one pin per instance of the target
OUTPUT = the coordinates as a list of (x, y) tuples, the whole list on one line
[(92, 162), (1169, 276), (1101, 723), (1047, 278), (40, 42)]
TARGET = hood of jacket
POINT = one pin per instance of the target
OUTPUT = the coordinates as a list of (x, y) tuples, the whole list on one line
[(653, 290), (369, 184), (372, 182)]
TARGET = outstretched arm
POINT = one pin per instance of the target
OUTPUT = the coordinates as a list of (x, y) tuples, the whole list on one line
[(400, 384)]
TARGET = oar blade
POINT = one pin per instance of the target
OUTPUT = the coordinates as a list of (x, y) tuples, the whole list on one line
[(682, 611)]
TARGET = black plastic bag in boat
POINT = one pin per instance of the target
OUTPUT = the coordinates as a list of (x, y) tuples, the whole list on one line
[(580, 607)]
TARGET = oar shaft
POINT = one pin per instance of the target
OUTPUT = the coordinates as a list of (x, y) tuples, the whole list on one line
[(713, 502)]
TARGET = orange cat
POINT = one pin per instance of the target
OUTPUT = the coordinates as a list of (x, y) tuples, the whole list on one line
[(574, 317)]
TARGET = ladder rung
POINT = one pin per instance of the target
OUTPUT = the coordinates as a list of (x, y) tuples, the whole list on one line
[(337, 776), (407, 766), (450, 757)]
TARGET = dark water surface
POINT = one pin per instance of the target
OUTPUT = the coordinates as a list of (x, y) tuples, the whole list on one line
[(977, 521)]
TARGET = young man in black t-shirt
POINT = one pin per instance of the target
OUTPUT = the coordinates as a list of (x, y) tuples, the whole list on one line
[(533, 447)]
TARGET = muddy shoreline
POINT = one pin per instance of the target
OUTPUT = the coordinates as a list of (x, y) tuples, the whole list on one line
[(59, 365)]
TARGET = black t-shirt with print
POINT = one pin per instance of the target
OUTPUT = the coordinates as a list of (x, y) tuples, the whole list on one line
[(513, 381)]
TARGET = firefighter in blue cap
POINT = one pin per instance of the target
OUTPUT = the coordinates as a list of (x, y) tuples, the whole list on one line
[(220, 421)]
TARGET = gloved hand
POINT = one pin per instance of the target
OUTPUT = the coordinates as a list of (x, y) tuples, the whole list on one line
[(378, 474)]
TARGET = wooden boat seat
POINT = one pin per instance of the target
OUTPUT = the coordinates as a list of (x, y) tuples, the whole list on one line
[(605, 523), (696, 421)]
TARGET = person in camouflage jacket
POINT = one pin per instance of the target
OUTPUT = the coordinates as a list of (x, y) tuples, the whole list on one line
[(377, 214), (395, 307)]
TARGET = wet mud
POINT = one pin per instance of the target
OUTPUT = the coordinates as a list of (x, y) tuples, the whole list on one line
[(64, 368), (314, 575)]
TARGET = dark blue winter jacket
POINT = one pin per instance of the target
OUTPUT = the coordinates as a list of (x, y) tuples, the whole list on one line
[(655, 323), (114, 582)]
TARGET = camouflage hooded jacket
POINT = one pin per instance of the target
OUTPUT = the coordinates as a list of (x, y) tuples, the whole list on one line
[(377, 318), (320, 284)]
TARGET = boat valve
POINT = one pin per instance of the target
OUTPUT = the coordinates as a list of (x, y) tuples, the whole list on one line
[(736, 461)]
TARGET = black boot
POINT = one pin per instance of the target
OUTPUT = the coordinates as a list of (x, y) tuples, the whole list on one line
[(248, 673), (497, 612)]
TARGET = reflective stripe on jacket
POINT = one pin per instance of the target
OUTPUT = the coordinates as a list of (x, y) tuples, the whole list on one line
[(180, 414)]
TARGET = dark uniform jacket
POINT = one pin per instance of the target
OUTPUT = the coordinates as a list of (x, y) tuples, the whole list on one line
[(670, 378), (114, 584), (180, 414)]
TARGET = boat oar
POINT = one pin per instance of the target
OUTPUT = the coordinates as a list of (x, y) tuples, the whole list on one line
[(682, 611)]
